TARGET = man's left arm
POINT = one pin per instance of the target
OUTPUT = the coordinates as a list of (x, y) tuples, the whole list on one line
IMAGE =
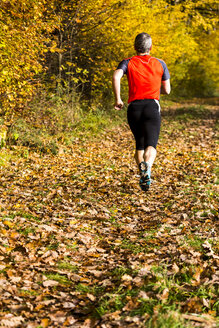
[(165, 87), (165, 81)]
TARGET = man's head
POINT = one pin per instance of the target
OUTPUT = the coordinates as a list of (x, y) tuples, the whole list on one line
[(143, 43)]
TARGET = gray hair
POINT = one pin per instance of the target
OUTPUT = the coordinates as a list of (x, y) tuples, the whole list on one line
[(143, 43)]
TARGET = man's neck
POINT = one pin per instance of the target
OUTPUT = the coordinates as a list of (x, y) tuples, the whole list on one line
[(143, 54)]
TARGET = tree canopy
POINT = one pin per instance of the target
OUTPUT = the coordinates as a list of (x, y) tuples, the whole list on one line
[(74, 45)]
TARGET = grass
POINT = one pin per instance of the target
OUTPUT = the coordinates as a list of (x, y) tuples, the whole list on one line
[(5, 157), (195, 242), (64, 265), (54, 123), (118, 272), (72, 246), (27, 231), (170, 318), (167, 312), (157, 314), (144, 245), (94, 290), (26, 216), (29, 292), (58, 277), (10, 154), (114, 301), (53, 245)]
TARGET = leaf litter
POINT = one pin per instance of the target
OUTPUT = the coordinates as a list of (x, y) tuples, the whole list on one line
[(82, 246)]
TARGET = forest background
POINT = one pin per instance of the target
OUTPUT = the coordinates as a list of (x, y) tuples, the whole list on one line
[(80, 244), (60, 55)]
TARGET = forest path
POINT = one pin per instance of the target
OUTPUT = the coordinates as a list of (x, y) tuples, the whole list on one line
[(83, 246)]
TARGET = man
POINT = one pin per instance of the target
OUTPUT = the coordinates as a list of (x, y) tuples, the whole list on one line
[(147, 77)]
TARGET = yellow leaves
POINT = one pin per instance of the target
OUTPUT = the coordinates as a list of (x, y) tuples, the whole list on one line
[(7, 249), (53, 48), (39, 307), (168, 26), (21, 43), (69, 63), (8, 223), (117, 241), (196, 276), (73, 222), (14, 235), (20, 205), (4, 72), (45, 322)]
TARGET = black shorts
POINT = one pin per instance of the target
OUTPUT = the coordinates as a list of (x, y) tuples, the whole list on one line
[(144, 120)]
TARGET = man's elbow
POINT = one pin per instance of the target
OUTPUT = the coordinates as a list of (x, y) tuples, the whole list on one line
[(166, 87), (168, 91), (115, 77)]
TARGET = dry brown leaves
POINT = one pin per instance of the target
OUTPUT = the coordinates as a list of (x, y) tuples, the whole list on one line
[(76, 228)]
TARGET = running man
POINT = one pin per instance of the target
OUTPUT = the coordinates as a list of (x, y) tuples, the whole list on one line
[(147, 78)]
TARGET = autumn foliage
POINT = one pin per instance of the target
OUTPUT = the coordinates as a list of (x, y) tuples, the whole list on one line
[(73, 46), (80, 245), (22, 49)]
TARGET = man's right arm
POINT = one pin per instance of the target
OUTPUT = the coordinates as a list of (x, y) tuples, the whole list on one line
[(117, 75), (165, 87)]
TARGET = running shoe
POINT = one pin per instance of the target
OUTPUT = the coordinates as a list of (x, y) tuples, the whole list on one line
[(145, 176)]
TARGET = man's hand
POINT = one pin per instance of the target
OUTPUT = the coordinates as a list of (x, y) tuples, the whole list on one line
[(118, 105)]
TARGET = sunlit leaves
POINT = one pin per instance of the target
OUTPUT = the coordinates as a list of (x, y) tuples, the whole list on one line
[(96, 36), (80, 43), (21, 51)]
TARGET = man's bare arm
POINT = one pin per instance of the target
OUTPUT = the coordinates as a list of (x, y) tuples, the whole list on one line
[(165, 88), (117, 75)]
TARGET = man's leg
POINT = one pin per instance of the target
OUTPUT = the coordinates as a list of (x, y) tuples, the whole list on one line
[(150, 155), (144, 121), (144, 160), (144, 169), (139, 156)]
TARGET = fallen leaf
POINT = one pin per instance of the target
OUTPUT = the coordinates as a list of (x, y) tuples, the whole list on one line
[(50, 283), (91, 297), (126, 277), (175, 268), (44, 323), (164, 296)]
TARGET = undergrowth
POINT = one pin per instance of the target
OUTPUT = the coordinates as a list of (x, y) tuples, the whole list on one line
[(54, 122)]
